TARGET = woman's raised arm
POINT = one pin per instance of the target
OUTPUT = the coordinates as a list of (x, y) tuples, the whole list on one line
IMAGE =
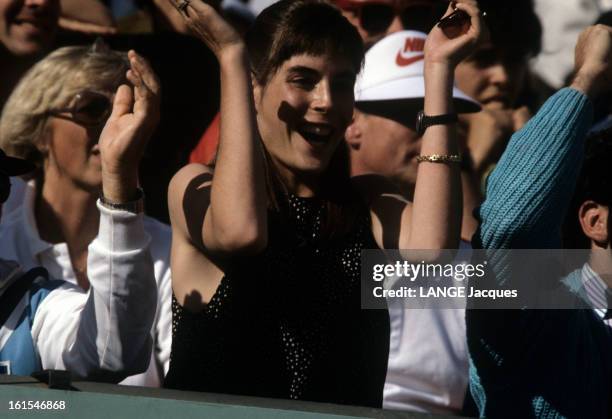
[(433, 221), (235, 220)]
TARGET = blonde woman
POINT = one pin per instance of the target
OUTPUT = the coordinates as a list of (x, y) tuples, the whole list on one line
[(54, 118)]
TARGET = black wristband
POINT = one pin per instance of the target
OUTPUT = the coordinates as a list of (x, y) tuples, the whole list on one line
[(135, 205), (423, 121)]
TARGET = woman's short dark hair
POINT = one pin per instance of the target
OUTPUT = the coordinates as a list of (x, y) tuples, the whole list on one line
[(293, 27)]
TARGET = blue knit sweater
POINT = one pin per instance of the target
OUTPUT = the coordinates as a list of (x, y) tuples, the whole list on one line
[(537, 363)]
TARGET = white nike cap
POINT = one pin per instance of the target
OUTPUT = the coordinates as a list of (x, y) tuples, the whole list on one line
[(393, 70)]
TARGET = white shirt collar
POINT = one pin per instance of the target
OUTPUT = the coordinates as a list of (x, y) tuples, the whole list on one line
[(54, 257), (596, 290)]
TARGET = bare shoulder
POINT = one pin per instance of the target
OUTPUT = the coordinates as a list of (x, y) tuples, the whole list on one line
[(179, 183), (184, 177), (195, 276)]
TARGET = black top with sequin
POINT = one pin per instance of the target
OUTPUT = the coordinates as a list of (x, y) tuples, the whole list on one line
[(288, 323)]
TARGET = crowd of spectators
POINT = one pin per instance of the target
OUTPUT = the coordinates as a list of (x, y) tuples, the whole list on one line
[(188, 187)]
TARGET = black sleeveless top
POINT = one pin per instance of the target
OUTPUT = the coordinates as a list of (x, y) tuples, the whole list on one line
[(288, 323)]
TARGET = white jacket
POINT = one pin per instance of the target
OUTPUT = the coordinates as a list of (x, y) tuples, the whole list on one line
[(23, 243), (94, 333)]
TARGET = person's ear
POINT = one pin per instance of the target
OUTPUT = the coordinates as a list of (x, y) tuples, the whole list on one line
[(354, 132), (594, 222)]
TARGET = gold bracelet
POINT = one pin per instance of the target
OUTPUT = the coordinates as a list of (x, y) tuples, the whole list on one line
[(440, 158)]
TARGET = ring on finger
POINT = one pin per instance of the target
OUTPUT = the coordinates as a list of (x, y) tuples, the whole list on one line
[(182, 6)]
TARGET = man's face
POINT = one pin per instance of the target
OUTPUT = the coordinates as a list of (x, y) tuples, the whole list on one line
[(28, 26), (383, 146)]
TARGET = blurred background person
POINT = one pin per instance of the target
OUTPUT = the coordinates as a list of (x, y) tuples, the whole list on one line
[(562, 23), (27, 30), (28, 27), (106, 17), (375, 19), (87, 16), (497, 76), (54, 118)]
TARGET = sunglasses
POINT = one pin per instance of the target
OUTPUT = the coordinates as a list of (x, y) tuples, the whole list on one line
[(402, 111), (375, 17), (88, 108)]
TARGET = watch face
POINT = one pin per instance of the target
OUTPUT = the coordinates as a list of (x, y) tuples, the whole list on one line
[(419, 123)]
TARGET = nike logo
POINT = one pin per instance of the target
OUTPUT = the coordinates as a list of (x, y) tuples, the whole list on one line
[(403, 61)]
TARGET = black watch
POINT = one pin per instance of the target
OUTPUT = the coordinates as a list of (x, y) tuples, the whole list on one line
[(423, 121), (136, 205)]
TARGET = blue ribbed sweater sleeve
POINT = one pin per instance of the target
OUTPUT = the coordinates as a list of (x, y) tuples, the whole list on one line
[(526, 200), (528, 193)]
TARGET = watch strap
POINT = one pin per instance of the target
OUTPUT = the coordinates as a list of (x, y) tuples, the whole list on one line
[(135, 206), (449, 118), (426, 121)]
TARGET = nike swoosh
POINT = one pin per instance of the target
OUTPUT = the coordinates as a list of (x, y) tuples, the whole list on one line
[(403, 62)]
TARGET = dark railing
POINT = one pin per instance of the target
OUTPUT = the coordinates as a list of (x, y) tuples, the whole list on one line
[(89, 400)]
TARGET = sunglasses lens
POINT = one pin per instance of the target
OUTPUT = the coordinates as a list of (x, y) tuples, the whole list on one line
[(403, 111), (376, 18), (92, 108)]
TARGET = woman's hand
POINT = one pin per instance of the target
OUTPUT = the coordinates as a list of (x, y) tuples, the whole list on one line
[(450, 46), (208, 25), (128, 129)]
